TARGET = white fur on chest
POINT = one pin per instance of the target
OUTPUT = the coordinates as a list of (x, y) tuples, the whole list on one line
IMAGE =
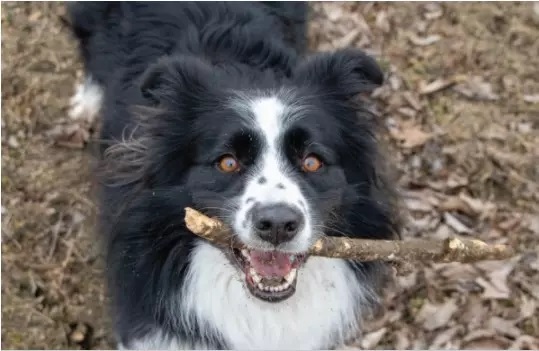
[(321, 313)]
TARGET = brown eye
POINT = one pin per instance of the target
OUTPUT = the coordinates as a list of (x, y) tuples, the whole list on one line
[(311, 163), (228, 164)]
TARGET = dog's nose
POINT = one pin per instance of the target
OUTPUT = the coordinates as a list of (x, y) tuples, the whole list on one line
[(277, 223)]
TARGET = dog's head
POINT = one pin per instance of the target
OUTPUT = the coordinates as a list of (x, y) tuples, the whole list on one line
[(282, 160)]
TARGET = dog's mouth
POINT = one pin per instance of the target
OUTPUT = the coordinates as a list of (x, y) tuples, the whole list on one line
[(270, 275)]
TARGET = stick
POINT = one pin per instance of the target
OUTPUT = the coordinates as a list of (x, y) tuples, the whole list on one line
[(448, 250)]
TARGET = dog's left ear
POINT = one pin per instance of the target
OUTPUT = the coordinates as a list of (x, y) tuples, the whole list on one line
[(345, 72)]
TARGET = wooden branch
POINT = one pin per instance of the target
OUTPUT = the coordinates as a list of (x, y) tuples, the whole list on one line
[(449, 250)]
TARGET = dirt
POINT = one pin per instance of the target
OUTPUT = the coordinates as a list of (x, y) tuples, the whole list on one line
[(460, 111)]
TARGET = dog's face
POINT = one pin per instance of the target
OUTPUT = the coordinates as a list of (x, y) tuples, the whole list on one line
[(281, 164)]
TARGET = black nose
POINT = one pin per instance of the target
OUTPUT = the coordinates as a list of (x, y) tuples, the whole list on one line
[(277, 223)]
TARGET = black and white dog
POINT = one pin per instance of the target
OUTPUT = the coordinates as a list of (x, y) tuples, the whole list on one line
[(217, 107)]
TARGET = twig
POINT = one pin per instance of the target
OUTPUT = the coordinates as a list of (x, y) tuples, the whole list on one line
[(449, 250), (55, 235)]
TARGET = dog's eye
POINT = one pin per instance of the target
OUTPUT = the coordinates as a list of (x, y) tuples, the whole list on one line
[(311, 163), (228, 164)]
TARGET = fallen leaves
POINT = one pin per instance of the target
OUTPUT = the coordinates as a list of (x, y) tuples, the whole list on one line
[(455, 224), (434, 316), (462, 132), (370, 340), (435, 86), (476, 88), (532, 99), (470, 206), (494, 283), (408, 135), (73, 136), (423, 41)]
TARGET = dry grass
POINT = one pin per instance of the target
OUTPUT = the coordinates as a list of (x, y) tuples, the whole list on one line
[(461, 111)]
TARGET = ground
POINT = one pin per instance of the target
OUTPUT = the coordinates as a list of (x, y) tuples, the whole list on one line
[(460, 117)]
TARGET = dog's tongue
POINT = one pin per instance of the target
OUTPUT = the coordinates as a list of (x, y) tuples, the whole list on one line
[(271, 264)]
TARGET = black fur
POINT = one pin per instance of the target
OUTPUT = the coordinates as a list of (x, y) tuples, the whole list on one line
[(180, 62)]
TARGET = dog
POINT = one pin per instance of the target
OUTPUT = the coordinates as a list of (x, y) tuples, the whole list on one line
[(219, 107)]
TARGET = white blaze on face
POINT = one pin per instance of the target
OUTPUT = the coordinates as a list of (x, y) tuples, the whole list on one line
[(269, 182)]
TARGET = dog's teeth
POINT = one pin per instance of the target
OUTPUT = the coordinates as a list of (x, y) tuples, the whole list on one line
[(292, 257), (255, 276), (245, 254), (260, 286), (291, 275)]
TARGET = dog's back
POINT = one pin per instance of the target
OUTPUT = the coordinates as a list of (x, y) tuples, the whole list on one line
[(108, 32)]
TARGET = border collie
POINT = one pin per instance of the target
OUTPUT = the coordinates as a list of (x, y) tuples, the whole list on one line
[(217, 106)]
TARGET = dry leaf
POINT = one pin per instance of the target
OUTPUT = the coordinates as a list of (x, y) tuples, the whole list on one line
[(456, 181), (496, 285), (486, 344), (72, 136), (382, 22), (525, 342), (467, 205), (473, 313), (454, 203), (395, 82), (409, 136), (402, 340), (434, 11), (533, 99), (455, 271), (407, 281), (478, 207), (527, 308), (348, 39), (442, 232), (434, 316), (484, 339), (476, 88), (407, 111), (435, 86), (444, 337), (412, 100), (494, 132), (504, 326), (371, 340), (455, 224), (13, 142), (423, 41), (422, 200)]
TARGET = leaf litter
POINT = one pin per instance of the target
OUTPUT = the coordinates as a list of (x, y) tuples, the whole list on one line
[(460, 115)]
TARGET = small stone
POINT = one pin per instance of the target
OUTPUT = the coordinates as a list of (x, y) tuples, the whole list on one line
[(13, 142), (79, 333)]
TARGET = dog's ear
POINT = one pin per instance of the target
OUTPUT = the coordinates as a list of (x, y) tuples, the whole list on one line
[(173, 77), (345, 72)]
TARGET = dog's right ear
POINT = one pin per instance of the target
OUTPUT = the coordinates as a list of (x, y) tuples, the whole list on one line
[(345, 72), (173, 78)]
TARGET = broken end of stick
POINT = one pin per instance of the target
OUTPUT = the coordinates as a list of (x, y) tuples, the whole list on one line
[(200, 224), (471, 250)]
